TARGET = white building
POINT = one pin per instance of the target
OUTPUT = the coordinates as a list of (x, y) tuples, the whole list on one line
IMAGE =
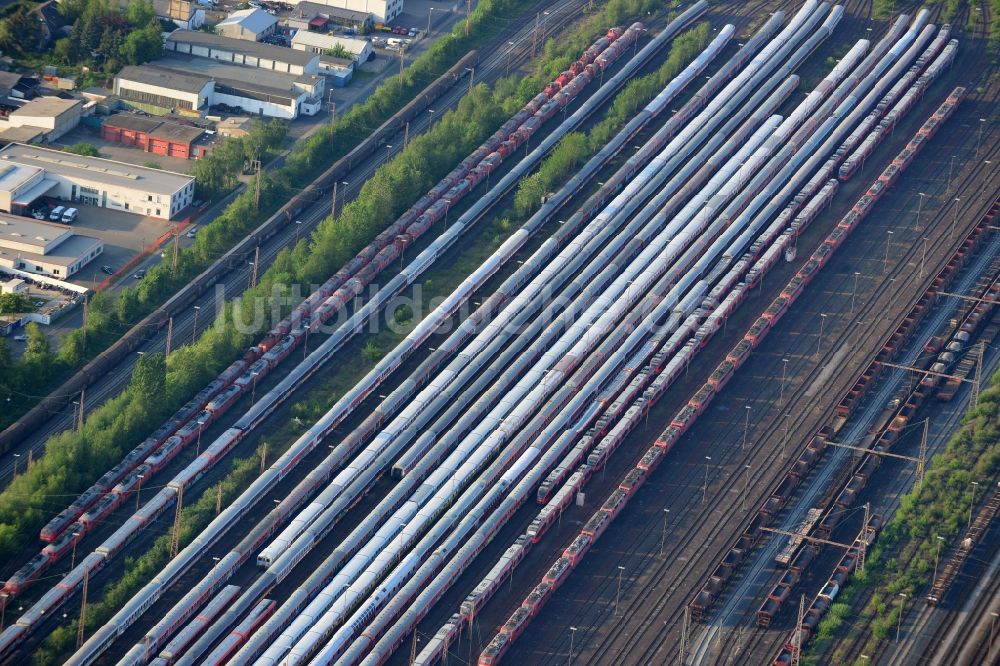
[(192, 85), (185, 13), (28, 172), (53, 115), (251, 24), (242, 52), (44, 248), (314, 42), (382, 10)]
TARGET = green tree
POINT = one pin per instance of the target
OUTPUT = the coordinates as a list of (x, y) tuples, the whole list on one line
[(19, 32), (143, 45), (37, 350), (83, 148), (371, 353), (338, 51), (149, 378), (14, 303)]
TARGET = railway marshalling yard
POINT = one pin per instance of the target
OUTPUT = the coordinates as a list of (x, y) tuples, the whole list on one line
[(633, 593)]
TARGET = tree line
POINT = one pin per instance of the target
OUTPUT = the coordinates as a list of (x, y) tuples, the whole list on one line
[(101, 443), (902, 559), (425, 160)]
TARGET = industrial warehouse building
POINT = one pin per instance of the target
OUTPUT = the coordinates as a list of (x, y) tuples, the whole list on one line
[(190, 86), (314, 42), (44, 248), (51, 115), (242, 52), (250, 24), (153, 135), (28, 172), (318, 18), (382, 10)]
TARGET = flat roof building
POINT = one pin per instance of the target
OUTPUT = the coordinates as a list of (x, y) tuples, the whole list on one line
[(316, 16), (177, 82), (45, 248), (314, 42), (29, 172), (251, 24), (160, 137), (242, 52), (53, 115), (382, 10)]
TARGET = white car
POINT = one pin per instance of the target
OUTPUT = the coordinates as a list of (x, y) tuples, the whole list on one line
[(192, 232)]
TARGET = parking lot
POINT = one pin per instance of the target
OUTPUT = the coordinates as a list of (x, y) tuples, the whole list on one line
[(124, 236)]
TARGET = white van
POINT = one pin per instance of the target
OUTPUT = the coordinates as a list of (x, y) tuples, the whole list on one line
[(57, 213), (69, 217)]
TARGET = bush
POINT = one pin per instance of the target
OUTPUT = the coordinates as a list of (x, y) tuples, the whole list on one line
[(85, 149)]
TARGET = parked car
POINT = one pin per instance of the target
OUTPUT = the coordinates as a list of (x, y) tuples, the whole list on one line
[(192, 232), (39, 214), (139, 274), (107, 270), (57, 213), (69, 216), (21, 338)]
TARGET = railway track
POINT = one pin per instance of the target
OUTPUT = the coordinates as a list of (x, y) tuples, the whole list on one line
[(319, 211), (605, 587), (552, 25), (188, 324)]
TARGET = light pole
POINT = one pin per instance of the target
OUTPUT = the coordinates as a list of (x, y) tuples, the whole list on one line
[(253, 391), (954, 221), (888, 241), (400, 548), (982, 122), (899, 625), (972, 501), (388, 152), (923, 257), (819, 340), (17, 457), (72, 560), (746, 484), (201, 427), (618, 594), (854, 292), (509, 52), (572, 635), (194, 326), (429, 13), (298, 226), (704, 488), (138, 492), (920, 206), (663, 536), (746, 426), (937, 555), (993, 625), (784, 373)]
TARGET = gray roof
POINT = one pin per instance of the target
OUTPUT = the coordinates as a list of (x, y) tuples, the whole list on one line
[(254, 20), (311, 9), (47, 106), (9, 79), (242, 46), (155, 181), (265, 80), (164, 78)]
